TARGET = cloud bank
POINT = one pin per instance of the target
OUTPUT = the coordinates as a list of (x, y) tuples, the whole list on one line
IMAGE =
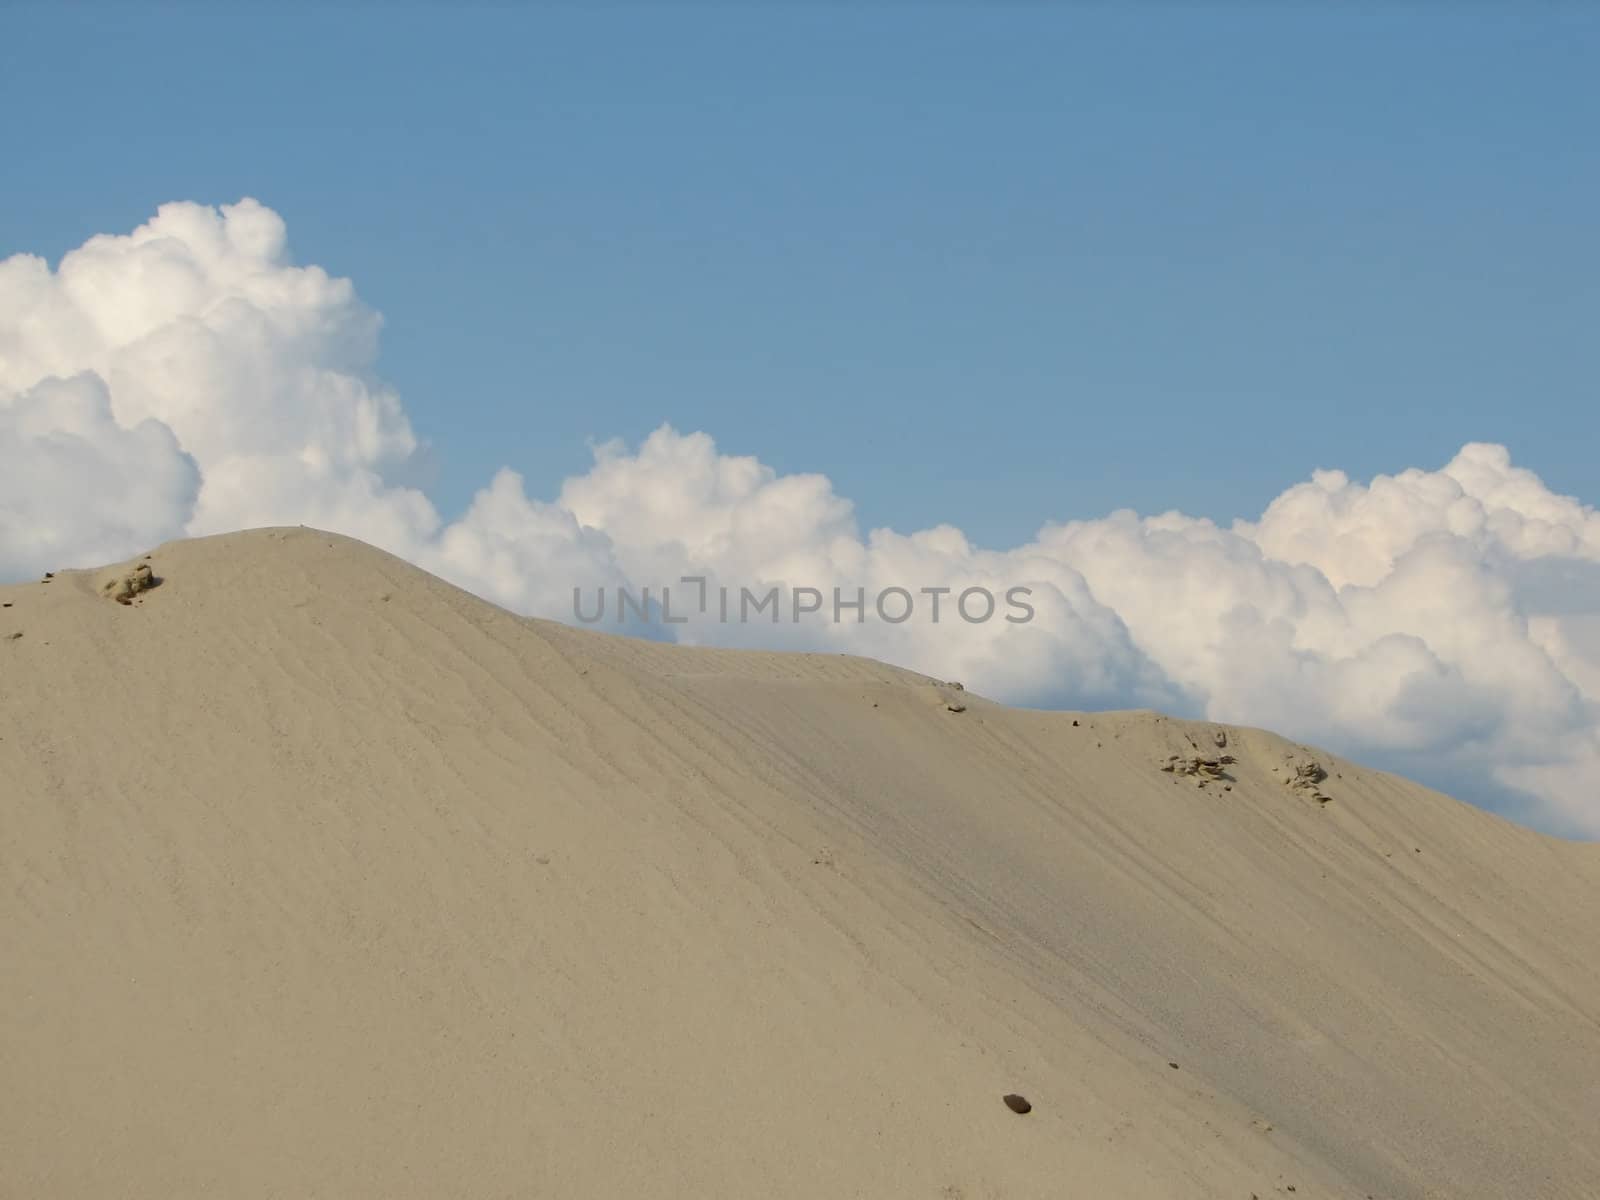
[(188, 378)]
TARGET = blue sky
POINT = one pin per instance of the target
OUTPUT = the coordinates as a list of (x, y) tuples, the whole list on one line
[(986, 265)]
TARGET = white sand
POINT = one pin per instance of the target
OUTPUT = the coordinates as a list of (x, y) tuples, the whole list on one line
[(320, 878)]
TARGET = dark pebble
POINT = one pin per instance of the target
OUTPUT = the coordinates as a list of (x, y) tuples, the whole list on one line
[(1018, 1104)]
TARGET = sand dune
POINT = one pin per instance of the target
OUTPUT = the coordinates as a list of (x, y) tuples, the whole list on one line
[(323, 878)]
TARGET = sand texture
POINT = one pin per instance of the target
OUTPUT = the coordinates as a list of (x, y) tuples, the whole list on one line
[(322, 878)]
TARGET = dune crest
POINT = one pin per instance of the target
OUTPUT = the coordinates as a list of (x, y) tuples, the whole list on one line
[(321, 877)]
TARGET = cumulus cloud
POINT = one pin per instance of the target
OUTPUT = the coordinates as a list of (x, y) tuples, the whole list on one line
[(75, 484), (258, 368), (188, 377)]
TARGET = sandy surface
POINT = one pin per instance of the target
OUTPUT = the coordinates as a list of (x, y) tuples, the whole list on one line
[(320, 878)]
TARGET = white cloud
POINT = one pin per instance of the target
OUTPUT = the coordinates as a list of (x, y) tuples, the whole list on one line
[(188, 377), (259, 369), (74, 484)]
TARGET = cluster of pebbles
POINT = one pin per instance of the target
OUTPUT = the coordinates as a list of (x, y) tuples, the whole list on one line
[(1306, 777), (1201, 768)]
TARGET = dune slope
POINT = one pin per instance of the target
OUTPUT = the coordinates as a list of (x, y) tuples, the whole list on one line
[(319, 877)]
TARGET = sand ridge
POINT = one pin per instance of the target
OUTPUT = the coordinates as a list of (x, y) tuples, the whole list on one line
[(322, 877)]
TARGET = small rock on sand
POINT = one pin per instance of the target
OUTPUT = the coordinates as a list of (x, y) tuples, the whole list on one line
[(125, 585)]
